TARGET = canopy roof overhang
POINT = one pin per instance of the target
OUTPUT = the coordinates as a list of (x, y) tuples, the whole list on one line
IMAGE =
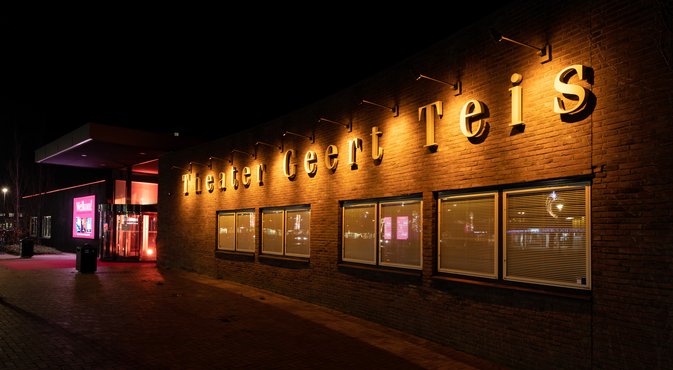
[(102, 146)]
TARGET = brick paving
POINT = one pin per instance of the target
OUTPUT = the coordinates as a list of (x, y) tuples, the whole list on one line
[(138, 316)]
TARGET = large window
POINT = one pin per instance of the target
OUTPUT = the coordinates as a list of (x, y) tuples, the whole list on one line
[(46, 227), (545, 235), (386, 233), (32, 229), (468, 242), (286, 231), (236, 231)]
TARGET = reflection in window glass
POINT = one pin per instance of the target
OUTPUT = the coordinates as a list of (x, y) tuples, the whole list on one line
[(226, 231), (547, 236), (46, 227), (297, 240), (272, 232), (467, 235), (387, 228), (33, 226), (403, 220), (359, 238), (245, 231), (236, 231)]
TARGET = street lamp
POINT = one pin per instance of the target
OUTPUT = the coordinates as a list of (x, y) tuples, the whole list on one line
[(4, 197)]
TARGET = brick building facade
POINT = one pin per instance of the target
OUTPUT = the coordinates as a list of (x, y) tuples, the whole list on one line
[(561, 254)]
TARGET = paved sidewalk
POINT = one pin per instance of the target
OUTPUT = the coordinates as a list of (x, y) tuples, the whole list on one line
[(136, 316)]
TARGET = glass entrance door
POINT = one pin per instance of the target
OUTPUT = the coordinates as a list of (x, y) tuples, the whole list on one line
[(128, 241), (129, 232), (148, 245)]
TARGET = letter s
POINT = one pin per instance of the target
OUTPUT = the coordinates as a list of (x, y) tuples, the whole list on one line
[(570, 91)]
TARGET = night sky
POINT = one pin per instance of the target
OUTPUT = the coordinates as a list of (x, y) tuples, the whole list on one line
[(192, 70)]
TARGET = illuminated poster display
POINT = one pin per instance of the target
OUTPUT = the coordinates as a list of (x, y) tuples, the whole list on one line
[(83, 217), (387, 228), (402, 227)]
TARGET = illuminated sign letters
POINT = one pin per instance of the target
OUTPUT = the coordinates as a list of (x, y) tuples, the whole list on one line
[(245, 176), (210, 183), (430, 121), (289, 169), (311, 162), (472, 112), (572, 92), (471, 121)]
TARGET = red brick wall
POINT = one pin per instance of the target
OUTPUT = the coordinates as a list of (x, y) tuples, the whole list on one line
[(632, 259), (625, 321)]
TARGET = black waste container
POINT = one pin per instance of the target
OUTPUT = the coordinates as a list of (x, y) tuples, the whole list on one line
[(86, 258), (27, 247)]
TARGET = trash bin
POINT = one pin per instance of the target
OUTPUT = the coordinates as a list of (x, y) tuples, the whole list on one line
[(86, 258), (27, 247)]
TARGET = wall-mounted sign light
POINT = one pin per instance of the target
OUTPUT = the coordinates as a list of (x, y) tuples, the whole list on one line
[(458, 86), (348, 126), (210, 161), (395, 108), (182, 169), (543, 52), (279, 147), (242, 152), (191, 164), (311, 138)]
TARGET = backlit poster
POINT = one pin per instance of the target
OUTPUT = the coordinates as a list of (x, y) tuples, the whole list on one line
[(83, 217)]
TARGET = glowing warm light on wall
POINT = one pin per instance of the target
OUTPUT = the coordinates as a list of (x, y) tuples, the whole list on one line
[(141, 192)]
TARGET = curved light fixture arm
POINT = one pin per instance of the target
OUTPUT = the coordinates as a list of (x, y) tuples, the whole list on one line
[(311, 138), (458, 86), (348, 125), (210, 161), (183, 169), (395, 108), (192, 163), (543, 52), (239, 151), (257, 144)]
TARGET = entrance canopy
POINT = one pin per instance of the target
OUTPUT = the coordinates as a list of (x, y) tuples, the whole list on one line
[(102, 146)]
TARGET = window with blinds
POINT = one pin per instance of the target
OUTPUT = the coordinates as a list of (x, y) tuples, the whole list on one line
[(383, 232), (468, 229), (287, 231), (547, 236), (400, 234), (236, 231), (272, 231), (297, 237), (359, 233)]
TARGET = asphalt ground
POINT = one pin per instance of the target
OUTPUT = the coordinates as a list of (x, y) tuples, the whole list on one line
[(139, 316)]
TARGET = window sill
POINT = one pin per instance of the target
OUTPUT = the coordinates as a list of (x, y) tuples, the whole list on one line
[(444, 282), (285, 261), (235, 256), (381, 273)]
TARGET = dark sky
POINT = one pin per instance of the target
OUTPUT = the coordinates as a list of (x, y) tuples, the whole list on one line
[(180, 69)]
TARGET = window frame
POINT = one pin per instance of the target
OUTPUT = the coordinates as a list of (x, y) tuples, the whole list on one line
[(587, 247), (378, 204), (235, 214), (284, 211), (33, 226), (496, 233), (375, 239), (46, 227)]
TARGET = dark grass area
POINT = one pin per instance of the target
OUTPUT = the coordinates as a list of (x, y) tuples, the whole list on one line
[(37, 249)]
